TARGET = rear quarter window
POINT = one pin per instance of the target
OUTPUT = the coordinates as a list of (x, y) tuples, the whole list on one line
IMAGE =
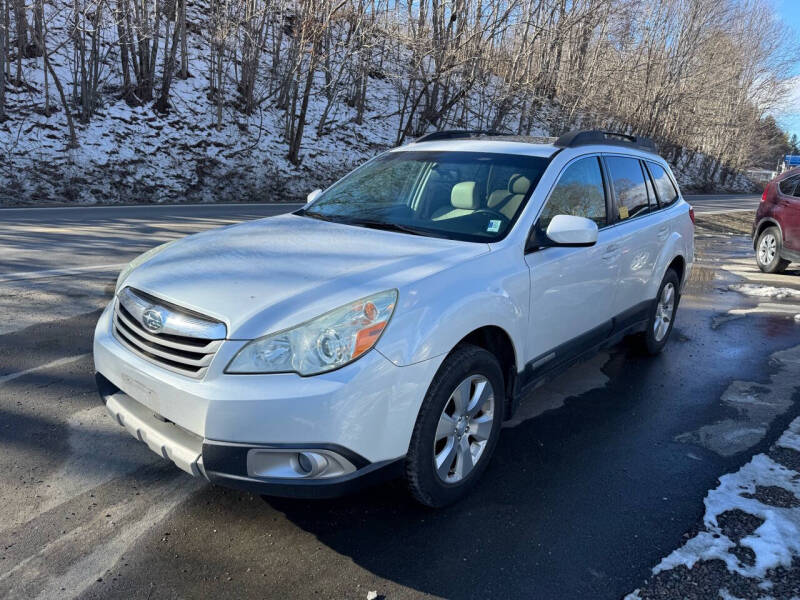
[(667, 194), (787, 186)]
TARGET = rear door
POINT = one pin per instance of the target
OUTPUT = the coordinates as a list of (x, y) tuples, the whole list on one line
[(641, 229), (787, 212), (572, 289)]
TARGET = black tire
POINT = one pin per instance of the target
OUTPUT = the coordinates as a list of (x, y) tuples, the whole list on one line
[(424, 483), (651, 344), (776, 264)]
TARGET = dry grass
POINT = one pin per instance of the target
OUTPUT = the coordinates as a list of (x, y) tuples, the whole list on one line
[(737, 223)]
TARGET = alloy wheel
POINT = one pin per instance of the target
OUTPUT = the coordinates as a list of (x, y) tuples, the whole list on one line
[(664, 310), (767, 249), (464, 429)]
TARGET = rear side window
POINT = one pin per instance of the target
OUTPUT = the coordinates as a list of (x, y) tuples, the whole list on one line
[(667, 194), (787, 186), (629, 186), (579, 192)]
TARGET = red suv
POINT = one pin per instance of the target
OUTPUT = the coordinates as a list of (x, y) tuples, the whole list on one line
[(776, 230)]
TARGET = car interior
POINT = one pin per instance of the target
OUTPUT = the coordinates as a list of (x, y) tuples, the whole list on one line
[(499, 194)]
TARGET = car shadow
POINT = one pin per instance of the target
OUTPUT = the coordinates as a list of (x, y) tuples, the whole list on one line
[(565, 509)]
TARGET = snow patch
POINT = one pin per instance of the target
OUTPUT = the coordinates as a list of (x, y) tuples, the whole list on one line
[(791, 437), (774, 543), (764, 291)]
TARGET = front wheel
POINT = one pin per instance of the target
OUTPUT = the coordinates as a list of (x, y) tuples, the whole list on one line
[(768, 251), (662, 315), (457, 427)]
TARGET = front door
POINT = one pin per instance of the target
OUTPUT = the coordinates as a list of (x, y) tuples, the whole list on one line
[(572, 289)]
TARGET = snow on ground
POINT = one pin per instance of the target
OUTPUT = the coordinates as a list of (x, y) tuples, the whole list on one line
[(764, 291), (748, 543), (133, 154), (774, 543), (750, 539)]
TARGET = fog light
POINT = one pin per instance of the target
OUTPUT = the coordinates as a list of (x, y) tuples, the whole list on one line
[(311, 464), (297, 463), (305, 463)]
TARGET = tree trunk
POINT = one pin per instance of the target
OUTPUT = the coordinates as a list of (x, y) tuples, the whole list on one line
[(22, 34), (184, 44), (294, 147), (169, 68), (73, 139), (3, 57), (120, 16)]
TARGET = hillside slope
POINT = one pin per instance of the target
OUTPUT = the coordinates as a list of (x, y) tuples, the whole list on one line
[(129, 152)]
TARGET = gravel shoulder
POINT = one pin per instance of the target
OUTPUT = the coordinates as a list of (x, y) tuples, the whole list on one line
[(747, 544)]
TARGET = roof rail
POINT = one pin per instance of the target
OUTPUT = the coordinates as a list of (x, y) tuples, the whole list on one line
[(454, 134), (572, 139)]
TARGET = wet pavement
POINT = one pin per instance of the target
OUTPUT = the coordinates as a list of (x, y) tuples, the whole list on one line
[(599, 476)]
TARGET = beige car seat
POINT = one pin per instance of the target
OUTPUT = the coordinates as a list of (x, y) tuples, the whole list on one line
[(463, 201), (508, 201)]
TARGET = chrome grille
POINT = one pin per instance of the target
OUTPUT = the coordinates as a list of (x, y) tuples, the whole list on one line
[(184, 342)]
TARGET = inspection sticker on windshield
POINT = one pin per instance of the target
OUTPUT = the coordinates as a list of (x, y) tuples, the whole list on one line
[(493, 226)]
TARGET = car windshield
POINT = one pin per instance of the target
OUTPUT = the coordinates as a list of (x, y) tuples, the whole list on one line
[(472, 196)]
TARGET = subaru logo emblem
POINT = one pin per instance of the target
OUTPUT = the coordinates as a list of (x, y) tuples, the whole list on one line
[(152, 320)]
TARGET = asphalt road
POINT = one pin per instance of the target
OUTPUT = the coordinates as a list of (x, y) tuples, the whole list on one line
[(601, 473), (716, 203)]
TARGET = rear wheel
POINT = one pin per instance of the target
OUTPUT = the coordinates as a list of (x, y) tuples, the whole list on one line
[(662, 315), (457, 427), (768, 251)]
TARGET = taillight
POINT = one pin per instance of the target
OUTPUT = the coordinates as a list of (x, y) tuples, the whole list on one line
[(764, 195), (691, 214)]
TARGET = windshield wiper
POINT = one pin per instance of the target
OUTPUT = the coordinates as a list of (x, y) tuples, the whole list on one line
[(316, 215), (372, 224), (384, 226)]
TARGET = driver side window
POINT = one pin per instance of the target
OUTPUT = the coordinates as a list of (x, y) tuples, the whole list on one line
[(579, 192)]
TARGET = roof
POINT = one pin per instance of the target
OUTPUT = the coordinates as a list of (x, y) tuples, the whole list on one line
[(492, 141), (493, 145)]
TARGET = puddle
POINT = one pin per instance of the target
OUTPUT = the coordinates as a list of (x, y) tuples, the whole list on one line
[(756, 406), (575, 381)]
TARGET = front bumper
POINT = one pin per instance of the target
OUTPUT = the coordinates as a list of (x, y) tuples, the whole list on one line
[(365, 412), (226, 464)]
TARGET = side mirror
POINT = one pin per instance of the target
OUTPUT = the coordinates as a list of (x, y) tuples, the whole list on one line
[(568, 230), (313, 196)]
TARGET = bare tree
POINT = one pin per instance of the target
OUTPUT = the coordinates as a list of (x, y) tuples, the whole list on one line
[(697, 75), (4, 10), (169, 55)]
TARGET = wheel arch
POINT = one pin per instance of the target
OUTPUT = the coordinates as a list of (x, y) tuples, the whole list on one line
[(762, 225), (675, 254), (497, 341), (678, 265)]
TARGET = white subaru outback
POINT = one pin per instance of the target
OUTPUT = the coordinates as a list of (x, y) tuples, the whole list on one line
[(389, 327)]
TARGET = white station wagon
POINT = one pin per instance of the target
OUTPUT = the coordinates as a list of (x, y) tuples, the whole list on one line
[(388, 328)]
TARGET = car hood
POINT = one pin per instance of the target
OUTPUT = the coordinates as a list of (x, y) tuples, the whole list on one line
[(263, 276)]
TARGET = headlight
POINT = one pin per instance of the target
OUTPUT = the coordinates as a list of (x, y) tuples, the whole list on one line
[(322, 344), (138, 261)]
